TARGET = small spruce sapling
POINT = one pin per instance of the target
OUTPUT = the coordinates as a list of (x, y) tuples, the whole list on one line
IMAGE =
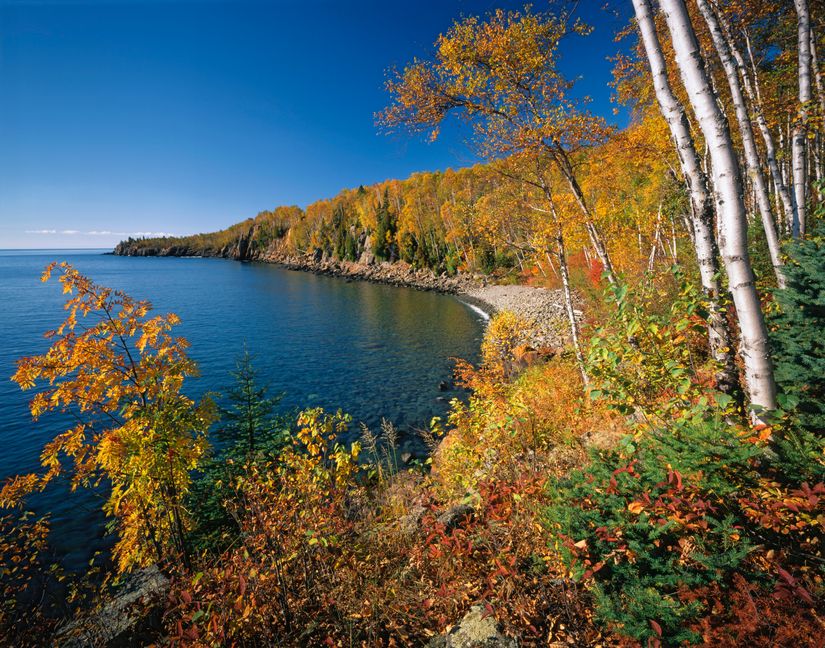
[(798, 347), (250, 423)]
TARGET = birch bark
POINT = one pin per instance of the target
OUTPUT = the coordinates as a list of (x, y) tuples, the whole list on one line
[(730, 207), (799, 144), (701, 222), (760, 187)]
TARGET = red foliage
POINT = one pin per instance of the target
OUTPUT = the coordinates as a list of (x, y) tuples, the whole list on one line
[(749, 616)]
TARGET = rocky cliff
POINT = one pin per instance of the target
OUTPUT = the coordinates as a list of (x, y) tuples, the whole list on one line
[(246, 247)]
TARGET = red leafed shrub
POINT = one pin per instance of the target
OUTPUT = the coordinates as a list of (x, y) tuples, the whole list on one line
[(747, 615)]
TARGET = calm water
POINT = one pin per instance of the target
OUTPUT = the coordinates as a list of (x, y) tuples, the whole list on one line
[(374, 351)]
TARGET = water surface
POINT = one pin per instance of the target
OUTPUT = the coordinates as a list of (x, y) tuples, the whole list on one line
[(374, 351)]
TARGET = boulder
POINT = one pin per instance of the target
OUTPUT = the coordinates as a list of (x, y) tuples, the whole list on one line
[(367, 256), (476, 630), (129, 617), (454, 516)]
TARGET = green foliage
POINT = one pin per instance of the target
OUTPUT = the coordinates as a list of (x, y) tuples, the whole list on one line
[(798, 344), (251, 432), (250, 424), (647, 357), (653, 519), (385, 247)]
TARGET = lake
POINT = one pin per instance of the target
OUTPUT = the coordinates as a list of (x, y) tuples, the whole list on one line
[(372, 350)]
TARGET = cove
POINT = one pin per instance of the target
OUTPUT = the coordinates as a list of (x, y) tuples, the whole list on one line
[(371, 350)]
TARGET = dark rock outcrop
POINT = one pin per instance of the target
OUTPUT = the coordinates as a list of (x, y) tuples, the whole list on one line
[(317, 261), (128, 618)]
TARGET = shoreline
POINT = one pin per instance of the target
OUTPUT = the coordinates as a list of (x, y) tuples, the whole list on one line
[(543, 307)]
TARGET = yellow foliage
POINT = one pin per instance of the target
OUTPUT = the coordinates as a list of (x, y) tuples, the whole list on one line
[(538, 422), (505, 333), (120, 376)]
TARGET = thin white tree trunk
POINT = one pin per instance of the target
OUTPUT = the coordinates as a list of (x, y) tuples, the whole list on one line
[(730, 207), (552, 265), (701, 223), (760, 187), (656, 241), (596, 239), (561, 253), (800, 132), (755, 96)]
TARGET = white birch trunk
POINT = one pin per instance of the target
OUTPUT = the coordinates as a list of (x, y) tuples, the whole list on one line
[(561, 255), (799, 143), (755, 96), (596, 239), (760, 187), (730, 207), (701, 223)]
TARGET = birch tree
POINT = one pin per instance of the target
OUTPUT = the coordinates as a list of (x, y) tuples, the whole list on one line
[(752, 161), (500, 74), (799, 144), (730, 206), (750, 83), (704, 239)]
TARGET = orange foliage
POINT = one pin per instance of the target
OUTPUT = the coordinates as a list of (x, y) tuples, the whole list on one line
[(120, 377)]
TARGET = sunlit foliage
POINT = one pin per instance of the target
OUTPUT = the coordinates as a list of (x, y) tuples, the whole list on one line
[(118, 372)]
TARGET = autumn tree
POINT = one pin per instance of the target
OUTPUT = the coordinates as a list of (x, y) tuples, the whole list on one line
[(725, 171), (753, 163), (500, 74), (702, 211), (118, 372), (800, 133)]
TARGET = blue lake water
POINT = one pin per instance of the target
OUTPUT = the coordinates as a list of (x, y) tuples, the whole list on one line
[(374, 351)]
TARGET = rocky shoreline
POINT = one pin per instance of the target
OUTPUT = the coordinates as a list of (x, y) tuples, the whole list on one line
[(543, 307), (397, 273)]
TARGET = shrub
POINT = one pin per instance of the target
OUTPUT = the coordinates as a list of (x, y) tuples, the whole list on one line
[(650, 357), (653, 519)]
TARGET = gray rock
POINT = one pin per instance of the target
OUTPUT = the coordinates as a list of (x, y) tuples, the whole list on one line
[(124, 618), (454, 516), (475, 630)]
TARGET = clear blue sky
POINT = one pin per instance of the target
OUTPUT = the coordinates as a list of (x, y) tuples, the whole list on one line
[(143, 116)]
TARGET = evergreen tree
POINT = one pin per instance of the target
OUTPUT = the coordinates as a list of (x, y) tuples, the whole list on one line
[(385, 231), (250, 424), (798, 341), (250, 430), (350, 247)]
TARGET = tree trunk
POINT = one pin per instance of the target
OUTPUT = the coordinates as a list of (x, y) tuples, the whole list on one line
[(800, 132), (817, 75), (561, 253), (596, 239), (760, 187), (730, 207), (755, 96), (704, 241)]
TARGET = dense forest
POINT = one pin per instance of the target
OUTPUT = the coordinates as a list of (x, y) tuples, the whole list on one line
[(467, 220), (660, 481)]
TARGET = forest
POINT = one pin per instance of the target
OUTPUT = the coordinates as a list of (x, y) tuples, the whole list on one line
[(660, 481)]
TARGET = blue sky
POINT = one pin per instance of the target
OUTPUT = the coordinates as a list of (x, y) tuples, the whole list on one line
[(124, 117)]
